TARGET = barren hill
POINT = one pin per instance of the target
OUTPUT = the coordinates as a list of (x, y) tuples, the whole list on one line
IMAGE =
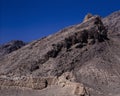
[(80, 60), (10, 47)]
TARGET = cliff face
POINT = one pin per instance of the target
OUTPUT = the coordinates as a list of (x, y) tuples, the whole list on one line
[(85, 56)]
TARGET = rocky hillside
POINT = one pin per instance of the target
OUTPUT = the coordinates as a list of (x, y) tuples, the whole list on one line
[(10, 47), (80, 60), (113, 22)]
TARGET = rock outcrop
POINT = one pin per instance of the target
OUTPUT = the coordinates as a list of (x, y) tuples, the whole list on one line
[(87, 17)]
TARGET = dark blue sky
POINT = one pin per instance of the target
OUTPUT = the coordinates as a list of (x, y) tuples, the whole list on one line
[(28, 20)]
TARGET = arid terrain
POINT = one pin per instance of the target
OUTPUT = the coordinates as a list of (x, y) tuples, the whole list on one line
[(79, 60)]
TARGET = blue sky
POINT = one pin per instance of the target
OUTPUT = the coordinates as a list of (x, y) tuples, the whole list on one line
[(28, 20)]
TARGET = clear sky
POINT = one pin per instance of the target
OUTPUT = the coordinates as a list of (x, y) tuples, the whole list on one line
[(28, 20)]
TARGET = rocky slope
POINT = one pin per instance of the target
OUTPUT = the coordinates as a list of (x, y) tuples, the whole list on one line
[(81, 60), (10, 47)]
